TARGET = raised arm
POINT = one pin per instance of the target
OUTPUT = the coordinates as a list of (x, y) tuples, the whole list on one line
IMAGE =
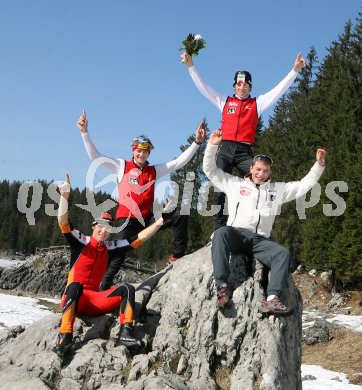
[(215, 97), (296, 189), (92, 151), (147, 233), (268, 99), (64, 190), (184, 157), (217, 176)]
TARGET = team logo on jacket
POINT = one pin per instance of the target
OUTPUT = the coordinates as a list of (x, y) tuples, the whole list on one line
[(231, 110), (245, 191), (133, 176)]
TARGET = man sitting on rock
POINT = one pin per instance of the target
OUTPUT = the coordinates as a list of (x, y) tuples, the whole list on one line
[(89, 259), (253, 203)]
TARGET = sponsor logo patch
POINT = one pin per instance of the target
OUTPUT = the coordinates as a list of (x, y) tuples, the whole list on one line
[(231, 110), (245, 191)]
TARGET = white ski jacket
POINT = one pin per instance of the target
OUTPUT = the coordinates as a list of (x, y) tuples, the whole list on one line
[(254, 207)]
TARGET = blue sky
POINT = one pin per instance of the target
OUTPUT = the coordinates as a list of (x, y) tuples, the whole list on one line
[(119, 60)]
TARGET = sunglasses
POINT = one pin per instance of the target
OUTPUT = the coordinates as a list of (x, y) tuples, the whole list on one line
[(263, 157), (142, 140)]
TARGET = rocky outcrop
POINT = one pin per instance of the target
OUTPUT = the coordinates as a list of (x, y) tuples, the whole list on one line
[(46, 273), (189, 344)]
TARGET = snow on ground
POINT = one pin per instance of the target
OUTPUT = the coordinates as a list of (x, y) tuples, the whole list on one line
[(347, 321), (325, 379), (24, 311), (9, 263)]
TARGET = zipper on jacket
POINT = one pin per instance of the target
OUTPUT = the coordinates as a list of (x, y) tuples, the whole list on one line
[(236, 212), (237, 126), (93, 265), (256, 208)]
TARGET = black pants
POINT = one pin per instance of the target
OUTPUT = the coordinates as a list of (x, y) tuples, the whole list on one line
[(230, 154), (271, 254), (178, 222)]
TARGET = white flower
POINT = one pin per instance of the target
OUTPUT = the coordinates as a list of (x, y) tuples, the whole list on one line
[(197, 37)]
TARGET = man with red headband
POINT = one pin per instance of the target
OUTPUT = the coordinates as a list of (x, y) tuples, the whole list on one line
[(240, 114), (89, 258), (136, 186)]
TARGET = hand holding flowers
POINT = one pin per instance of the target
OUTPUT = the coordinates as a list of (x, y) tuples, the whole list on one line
[(192, 44)]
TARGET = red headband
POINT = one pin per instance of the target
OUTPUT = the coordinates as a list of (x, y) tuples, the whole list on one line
[(142, 146)]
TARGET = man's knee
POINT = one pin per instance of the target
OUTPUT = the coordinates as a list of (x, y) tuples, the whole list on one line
[(221, 232), (285, 255), (73, 290), (124, 291)]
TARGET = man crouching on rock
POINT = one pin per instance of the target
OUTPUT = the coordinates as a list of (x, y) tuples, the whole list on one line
[(88, 262), (253, 203)]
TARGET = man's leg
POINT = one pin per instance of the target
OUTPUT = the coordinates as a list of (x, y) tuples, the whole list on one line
[(224, 159), (126, 336), (278, 260), (243, 158), (226, 239), (180, 225), (96, 303), (70, 303), (133, 228)]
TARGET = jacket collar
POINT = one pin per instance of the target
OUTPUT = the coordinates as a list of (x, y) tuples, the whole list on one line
[(96, 244), (245, 98), (136, 165), (247, 178)]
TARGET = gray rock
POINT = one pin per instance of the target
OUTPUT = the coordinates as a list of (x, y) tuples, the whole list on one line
[(337, 301), (326, 276), (313, 272), (318, 332), (189, 343)]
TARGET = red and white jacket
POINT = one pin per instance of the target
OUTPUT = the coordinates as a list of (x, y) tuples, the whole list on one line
[(240, 116), (239, 120), (136, 186)]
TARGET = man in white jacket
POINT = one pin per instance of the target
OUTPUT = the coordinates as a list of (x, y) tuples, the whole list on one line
[(253, 203)]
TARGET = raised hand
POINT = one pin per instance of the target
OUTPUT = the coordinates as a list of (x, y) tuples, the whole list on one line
[(215, 137), (64, 188), (82, 123), (299, 63), (186, 59), (200, 134), (321, 157)]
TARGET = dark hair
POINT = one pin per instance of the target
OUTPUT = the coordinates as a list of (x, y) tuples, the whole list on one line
[(264, 158), (245, 75)]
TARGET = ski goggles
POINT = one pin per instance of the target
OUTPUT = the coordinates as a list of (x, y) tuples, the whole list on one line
[(263, 157), (142, 142)]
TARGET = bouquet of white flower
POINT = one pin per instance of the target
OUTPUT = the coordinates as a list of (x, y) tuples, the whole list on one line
[(192, 44)]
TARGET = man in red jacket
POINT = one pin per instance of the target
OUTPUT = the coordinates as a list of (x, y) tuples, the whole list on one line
[(136, 186), (89, 259), (240, 114)]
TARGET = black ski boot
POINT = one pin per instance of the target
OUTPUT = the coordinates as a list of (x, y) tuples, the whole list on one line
[(127, 338), (63, 343)]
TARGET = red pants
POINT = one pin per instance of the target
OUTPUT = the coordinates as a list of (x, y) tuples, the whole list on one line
[(77, 300)]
